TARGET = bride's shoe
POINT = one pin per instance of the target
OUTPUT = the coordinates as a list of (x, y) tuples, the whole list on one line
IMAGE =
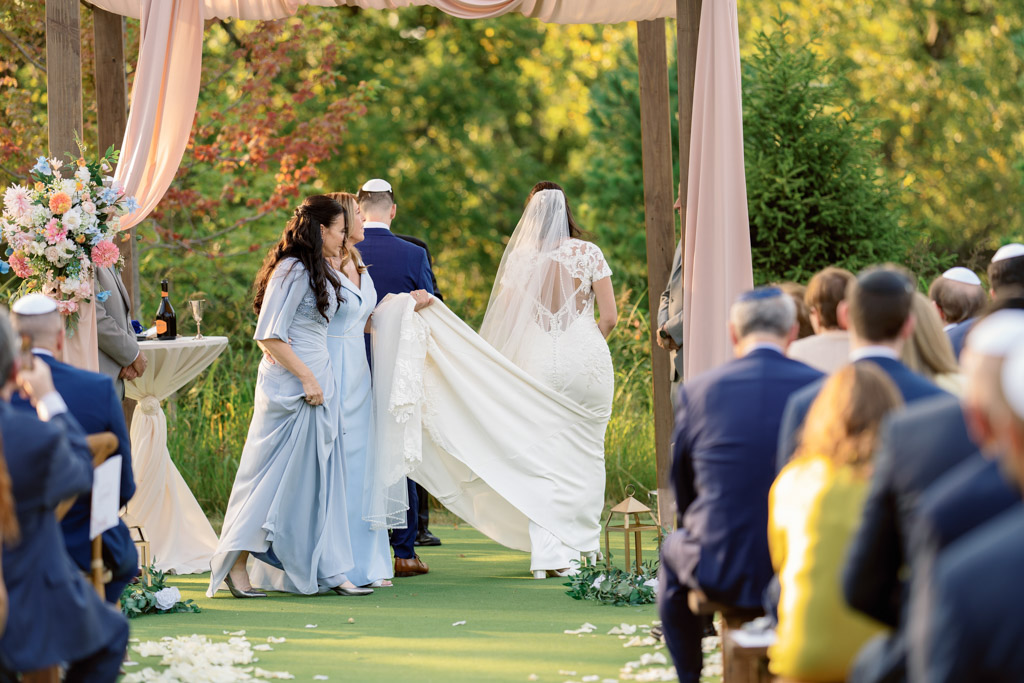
[(540, 574)]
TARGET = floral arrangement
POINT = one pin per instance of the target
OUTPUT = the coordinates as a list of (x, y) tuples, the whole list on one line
[(614, 586), (156, 597), (59, 228)]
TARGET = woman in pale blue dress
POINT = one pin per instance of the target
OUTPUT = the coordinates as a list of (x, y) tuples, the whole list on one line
[(370, 548), (286, 516)]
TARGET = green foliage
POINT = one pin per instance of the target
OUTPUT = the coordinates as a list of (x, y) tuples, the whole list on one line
[(614, 586), (816, 193), (140, 598)]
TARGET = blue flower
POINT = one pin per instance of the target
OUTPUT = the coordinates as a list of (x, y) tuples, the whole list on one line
[(9, 251), (130, 204), (108, 196), (4, 268), (102, 296), (42, 166)]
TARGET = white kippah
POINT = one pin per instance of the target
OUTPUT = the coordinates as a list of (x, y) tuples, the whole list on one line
[(1008, 251), (34, 304), (997, 334), (376, 185), (1013, 380), (964, 275)]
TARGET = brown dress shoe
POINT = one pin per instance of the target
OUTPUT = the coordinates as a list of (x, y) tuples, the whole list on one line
[(410, 567)]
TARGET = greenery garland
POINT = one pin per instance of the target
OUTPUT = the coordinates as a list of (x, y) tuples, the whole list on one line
[(614, 586), (155, 597)]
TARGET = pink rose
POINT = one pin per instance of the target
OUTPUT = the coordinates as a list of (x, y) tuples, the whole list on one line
[(54, 231), (67, 307), (105, 254), (21, 266)]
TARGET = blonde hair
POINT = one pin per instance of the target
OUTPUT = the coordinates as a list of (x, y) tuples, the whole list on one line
[(349, 201), (842, 423), (928, 351)]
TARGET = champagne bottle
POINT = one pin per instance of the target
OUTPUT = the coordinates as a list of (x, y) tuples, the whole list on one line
[(166, 321)]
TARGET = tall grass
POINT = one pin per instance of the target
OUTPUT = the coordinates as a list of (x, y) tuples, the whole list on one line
[(208, 420)]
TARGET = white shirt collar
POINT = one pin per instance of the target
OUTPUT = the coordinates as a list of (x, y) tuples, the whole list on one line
[(39, 351), (376, 224), (873, 352)]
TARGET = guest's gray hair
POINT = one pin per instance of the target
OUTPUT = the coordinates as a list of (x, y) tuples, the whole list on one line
[(763, 310), (8, 346)]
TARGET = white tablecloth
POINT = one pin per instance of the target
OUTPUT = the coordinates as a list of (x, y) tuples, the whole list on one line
[(181, 539)]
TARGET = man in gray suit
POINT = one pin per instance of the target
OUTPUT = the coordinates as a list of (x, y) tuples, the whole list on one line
[(670, 317), (119, 354)]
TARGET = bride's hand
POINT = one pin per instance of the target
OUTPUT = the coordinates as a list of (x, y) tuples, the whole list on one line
[(314, 394), (422, 299)]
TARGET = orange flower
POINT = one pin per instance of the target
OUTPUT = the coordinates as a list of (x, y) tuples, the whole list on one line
[(80, 239), (81, 162), (40, 187), (79, 186), (60, 202)]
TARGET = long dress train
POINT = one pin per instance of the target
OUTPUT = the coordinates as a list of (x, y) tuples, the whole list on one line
[(287, 505)]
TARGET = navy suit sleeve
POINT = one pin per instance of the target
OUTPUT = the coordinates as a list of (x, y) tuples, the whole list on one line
[(871, 577), (70, 470), (792, 420), (682, 463), (118, 426), (424, 274)]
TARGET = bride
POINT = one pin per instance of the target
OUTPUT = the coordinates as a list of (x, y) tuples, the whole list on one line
[(506, 428), (541, 317)]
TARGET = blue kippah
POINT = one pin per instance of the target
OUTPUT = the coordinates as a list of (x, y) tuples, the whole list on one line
[(759, 293)]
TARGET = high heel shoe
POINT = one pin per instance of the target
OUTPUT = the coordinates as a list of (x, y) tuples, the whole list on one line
[(354, 590), (236, 593)]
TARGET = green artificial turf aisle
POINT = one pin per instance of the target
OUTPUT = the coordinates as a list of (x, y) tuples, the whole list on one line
[(514, 625)]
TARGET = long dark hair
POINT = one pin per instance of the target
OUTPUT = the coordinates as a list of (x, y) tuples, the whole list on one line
[(302, 240), (575, 231)]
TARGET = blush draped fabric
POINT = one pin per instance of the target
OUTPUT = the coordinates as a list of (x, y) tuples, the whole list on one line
[(494, 445)]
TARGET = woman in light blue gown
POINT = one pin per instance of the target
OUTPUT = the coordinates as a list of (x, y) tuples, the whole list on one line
[(370, 547), (287, 511)]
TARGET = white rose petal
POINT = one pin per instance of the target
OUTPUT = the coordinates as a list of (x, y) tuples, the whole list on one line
[(320, 677), (235, 633), (262, 647), (167, 598), (459, 623), (310, 625)]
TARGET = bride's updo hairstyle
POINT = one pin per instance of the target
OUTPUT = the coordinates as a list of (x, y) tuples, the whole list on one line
[(302, 240), (575, 231)]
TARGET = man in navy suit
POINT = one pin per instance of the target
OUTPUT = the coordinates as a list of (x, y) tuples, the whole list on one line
[(397, 267), (1005, 281), (969, 625), (727, 422), (55, 615), (877, 314), (92, 401)]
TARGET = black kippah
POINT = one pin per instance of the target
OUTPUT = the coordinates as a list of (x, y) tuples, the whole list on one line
[(884, 281)]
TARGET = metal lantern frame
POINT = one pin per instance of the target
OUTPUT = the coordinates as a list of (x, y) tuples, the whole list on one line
[(630, 509)]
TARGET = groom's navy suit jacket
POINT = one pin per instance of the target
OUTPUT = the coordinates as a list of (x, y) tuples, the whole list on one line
[(93, 402), (396, 266)]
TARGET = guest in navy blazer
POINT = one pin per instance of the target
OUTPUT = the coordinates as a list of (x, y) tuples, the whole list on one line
[(917, 447), (968, 626), (1005, 281), (55, 615), (396, 266), (727, 422), (92, 400), (877, 312)]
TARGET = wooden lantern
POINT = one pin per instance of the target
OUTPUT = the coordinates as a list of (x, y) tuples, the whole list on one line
[(630, 509)]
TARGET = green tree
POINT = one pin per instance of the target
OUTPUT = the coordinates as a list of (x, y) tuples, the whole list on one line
[(815, 191)]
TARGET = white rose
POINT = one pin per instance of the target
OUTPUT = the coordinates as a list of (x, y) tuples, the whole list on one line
[(69, 286), (36, 248), (167, 598), (88, 207), (82, 174), (68, 185), (72, 220), (53, 255)]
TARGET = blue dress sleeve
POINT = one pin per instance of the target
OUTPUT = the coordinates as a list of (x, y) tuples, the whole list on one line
[(285, 291)]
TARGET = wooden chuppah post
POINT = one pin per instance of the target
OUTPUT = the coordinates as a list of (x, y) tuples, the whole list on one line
[(656, 132), (63, 77)]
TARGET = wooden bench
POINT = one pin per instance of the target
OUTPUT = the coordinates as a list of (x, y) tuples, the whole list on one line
[(739, 664)]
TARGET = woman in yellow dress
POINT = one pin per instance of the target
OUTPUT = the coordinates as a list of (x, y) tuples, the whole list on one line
[(815, 509)]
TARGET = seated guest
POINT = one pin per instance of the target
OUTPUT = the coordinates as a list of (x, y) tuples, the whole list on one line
[(93, 402), (55, 615), (803, 314), (727, 420), (1005, 280), (829, 347), (917, 447), (813, 510), (959, 297), (877, 312), (929, 352), (969, 626)]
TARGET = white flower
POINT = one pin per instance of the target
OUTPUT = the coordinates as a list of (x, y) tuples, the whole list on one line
[(39, 215), (167, 598), (88, 207), (69, 286), (35, 248), (72, 220), (56, 163), (82, 174), (652, 583), (17, 201), (598, 581), (69, 186)]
